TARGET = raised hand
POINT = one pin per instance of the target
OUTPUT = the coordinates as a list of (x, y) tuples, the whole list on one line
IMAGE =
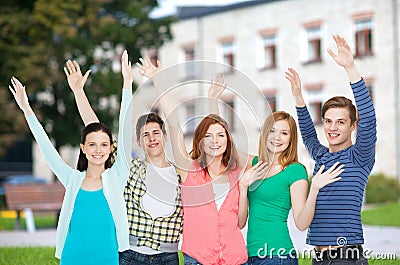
[(294, 80), (258, 171), (217, 87), (74, 76), (147, 68), (344, 56), (126, 67), (19, 93), (320, 179)]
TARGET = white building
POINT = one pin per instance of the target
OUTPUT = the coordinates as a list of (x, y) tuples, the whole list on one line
[(261, 39)]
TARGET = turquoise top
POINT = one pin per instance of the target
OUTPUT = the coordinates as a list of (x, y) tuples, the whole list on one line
[(269, 206), (113, 179), (91, 232)]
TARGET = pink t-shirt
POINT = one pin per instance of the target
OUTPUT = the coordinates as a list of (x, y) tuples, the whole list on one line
[(210, 236)]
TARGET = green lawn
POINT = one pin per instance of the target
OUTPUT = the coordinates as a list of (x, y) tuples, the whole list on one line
[(45, 256), (388, 215), (45, 221)]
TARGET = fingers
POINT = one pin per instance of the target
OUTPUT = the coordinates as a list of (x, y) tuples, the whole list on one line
[(76, 67), (260, 169), (85, 77), (16, 83), (333, 180), (12, 90), (320, 170), (333, 171), (291, 75)]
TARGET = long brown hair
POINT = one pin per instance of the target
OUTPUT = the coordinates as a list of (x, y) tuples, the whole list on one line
[(288, 156), (229, 158)]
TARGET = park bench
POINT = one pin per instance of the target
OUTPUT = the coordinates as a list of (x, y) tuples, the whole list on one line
[(33, 197)]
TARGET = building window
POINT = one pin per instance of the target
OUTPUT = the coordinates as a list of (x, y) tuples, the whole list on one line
[(315, 112), (190, 121), (363, 37), (228, 54), (153, 56), (155, 110), (190, 70), (369, 84), (228, 113), (269, 43), (315, 98), (314, 44), (271, 102)]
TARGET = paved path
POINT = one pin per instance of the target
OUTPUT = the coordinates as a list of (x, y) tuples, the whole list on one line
[(379, 240)]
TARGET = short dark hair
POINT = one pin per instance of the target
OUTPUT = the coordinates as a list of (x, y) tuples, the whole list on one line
[(93, 127), (340, 102), (148, 118)]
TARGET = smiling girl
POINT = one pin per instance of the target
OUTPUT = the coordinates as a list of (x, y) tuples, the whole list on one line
[(92, 227), (272, 187)]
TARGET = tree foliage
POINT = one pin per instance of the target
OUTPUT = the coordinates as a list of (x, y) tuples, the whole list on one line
[(38, 36)]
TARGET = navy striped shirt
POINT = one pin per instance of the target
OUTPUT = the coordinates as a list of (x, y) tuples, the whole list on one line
[(337, 218)]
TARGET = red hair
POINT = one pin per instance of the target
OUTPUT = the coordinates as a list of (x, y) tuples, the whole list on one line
[(230, 157)]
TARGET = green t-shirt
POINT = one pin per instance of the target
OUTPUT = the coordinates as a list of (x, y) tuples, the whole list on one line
[(269, 205)]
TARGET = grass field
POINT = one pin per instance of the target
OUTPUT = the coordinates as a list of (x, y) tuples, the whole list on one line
[(45, 256), (387, 215)]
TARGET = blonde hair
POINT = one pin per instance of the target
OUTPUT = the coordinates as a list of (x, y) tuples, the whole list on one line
[(288, 156)]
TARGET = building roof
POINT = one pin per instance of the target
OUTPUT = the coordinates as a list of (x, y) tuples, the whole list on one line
[(186, 12)]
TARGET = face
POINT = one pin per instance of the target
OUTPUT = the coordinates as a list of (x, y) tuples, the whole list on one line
[(97, 148), (279, 137), (215, 140), (338, 128), (152, 139)]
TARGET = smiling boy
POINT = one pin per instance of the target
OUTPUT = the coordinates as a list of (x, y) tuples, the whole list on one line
[(336, 230)]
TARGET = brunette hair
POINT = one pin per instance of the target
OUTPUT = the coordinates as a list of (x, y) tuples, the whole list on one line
[(340, 102), (148, 118), (93, 127)]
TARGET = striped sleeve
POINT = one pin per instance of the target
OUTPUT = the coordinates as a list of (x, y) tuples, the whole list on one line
[(308, 133), (366, 133)]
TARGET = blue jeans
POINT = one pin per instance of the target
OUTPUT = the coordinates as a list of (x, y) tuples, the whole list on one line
[(130, 257), (274, 260), (188, 260)]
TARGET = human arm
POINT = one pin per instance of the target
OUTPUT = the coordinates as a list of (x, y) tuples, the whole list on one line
[(76, 82), (295, 84), (216, 89), (53, 159), (123, 159), (254, 173), (181, 155), (306, 125), (366, 133), (303, 205), (344, 58)]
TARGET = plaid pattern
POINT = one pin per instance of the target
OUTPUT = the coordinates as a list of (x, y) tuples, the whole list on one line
[(149, 232)]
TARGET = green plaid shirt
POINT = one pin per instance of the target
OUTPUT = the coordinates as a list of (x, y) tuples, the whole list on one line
[(149, 232)]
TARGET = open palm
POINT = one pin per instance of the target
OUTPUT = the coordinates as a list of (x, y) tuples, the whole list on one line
[(76, 80)]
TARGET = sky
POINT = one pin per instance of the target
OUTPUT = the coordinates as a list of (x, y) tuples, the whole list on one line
[(168, 7)]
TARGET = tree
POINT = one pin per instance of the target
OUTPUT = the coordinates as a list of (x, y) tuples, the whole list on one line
[(38, 36)]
